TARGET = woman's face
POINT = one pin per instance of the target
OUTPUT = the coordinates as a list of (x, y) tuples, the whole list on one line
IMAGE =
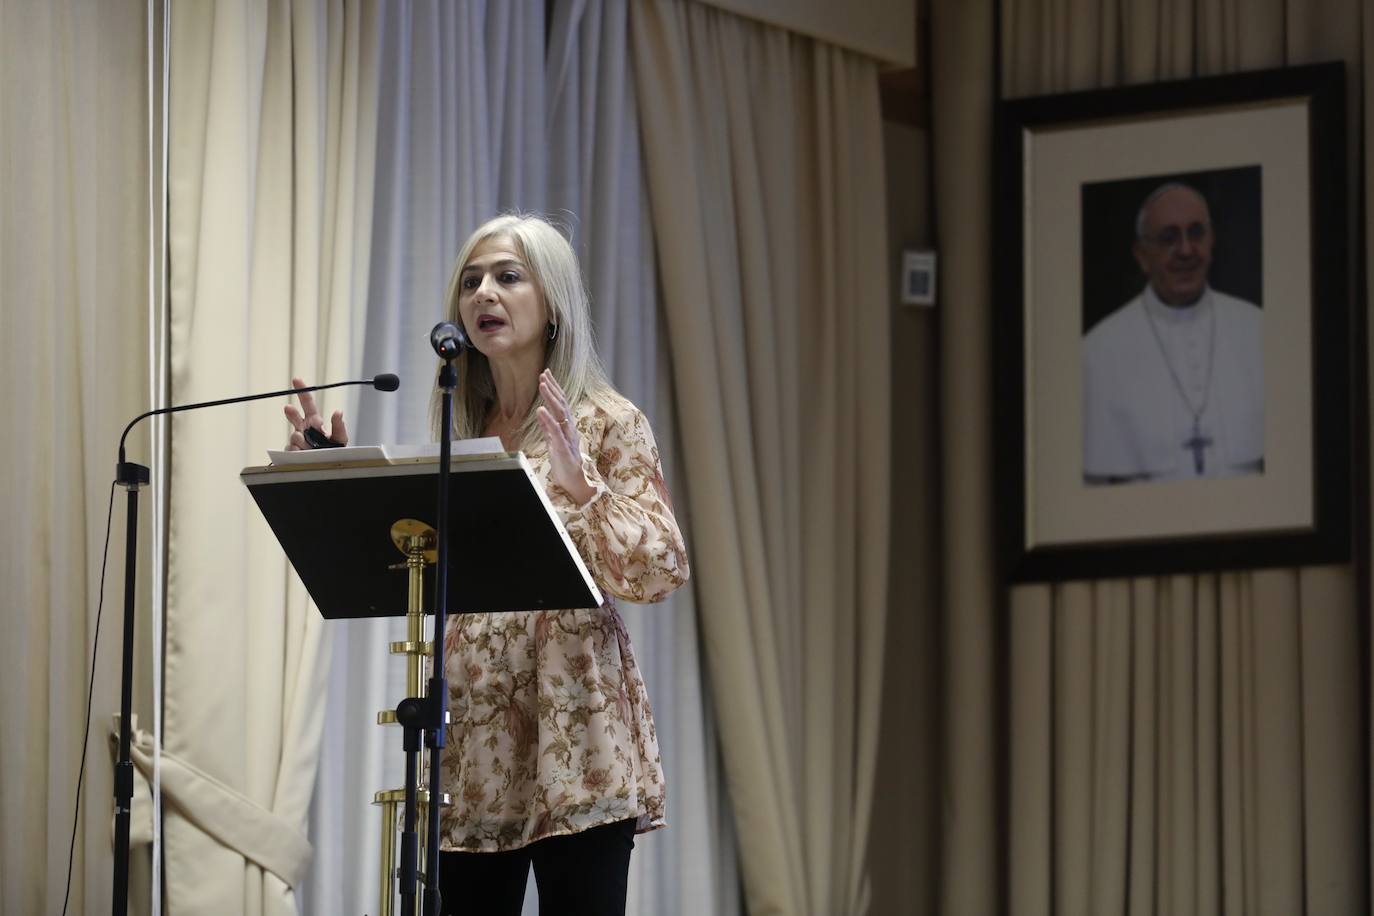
[(501, 307)]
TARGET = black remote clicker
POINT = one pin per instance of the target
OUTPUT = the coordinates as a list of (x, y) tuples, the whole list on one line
[(316, 439)]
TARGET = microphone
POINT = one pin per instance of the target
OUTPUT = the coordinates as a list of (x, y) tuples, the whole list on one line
[(448, 340), (387, 381)]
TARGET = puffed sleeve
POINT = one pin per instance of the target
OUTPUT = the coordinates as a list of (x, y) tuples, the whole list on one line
[(626, 532)]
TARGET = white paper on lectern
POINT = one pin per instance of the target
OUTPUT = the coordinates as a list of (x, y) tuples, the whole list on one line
[(488, 445)]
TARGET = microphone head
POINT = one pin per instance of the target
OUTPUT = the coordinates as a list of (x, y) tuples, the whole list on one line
[(448, 340), (387, 381)]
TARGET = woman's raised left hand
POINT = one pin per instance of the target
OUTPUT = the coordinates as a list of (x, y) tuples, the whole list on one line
[(565, 444)]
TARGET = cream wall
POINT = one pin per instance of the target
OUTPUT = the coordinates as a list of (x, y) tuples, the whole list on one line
[(902, 861)]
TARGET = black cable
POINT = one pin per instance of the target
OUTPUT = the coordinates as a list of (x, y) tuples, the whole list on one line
[(90, 694)]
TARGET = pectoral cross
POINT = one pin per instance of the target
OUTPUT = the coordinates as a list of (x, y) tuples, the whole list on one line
[(1197, 443)]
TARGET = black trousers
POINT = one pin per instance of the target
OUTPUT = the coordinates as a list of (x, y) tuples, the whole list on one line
[(581, 874)]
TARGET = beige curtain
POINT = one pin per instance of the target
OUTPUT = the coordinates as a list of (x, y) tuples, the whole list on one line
[(1187, 744), (273, 124), (774, 284), (74, 357)]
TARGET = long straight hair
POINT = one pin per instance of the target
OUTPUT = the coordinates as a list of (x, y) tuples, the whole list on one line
[(570, 356)]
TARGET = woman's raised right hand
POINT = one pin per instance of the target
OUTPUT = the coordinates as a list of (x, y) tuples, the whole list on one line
[(309, 415)]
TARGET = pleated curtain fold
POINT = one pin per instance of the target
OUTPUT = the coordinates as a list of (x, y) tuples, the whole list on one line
[(273, 122), (763, 158), (75, 351), (597, 182)]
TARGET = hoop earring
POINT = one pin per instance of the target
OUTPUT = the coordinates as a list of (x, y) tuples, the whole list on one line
[(553, 332)]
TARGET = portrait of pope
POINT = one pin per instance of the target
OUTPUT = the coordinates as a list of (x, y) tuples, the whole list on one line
[(1173, 376)]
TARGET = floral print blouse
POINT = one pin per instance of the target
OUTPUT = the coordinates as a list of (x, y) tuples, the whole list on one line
[(551, 730)]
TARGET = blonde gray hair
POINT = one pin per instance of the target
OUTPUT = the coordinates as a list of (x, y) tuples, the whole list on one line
[(570, 356)]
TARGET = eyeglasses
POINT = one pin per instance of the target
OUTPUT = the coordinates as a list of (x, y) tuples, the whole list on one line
[(1170, 236)]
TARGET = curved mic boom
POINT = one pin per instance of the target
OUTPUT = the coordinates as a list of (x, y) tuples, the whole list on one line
[(387, 381)]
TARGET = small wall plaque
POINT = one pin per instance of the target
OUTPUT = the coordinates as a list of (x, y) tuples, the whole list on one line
[(918, 278)]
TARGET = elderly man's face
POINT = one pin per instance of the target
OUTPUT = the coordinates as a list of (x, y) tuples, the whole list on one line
[(1176, 252)]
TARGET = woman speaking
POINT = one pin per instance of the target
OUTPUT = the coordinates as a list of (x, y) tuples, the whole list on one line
[(551, 758)]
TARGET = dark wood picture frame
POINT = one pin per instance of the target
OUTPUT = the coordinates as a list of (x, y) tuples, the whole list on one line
[(1051, 512)]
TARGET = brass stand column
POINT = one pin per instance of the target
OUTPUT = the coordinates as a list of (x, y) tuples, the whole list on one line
[(416, 540)]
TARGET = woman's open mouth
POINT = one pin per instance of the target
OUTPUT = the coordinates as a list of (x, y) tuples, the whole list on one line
[(489, 323)]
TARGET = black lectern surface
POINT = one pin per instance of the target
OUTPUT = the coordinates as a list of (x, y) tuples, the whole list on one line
[(507, 551)]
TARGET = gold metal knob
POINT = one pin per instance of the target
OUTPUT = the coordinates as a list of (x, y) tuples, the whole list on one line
[(395, 796), (411, 532), (388, 717)]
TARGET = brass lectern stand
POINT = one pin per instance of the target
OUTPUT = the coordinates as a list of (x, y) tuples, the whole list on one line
[(341, 521), (416, 541)]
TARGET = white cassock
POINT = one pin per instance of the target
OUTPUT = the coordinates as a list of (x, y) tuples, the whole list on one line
[(1139, 418)]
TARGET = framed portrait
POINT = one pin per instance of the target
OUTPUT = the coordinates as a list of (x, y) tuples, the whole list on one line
[(1174, 332)]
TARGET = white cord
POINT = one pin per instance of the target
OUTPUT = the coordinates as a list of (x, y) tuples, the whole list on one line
[(157, 372)]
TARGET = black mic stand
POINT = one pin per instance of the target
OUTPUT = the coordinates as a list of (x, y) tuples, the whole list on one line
[(438, 685), (133, 476), (130, 476)]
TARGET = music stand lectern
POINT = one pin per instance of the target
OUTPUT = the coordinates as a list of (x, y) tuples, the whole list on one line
[(334, 519), (341, 524)]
